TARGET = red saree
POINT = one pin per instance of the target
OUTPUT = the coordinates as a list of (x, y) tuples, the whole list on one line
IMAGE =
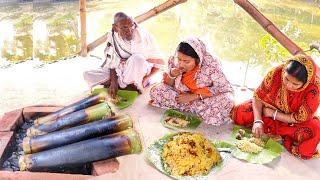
[(302, 138)]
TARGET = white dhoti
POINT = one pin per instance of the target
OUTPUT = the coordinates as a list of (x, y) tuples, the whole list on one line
[(132, 71), (135, 68)]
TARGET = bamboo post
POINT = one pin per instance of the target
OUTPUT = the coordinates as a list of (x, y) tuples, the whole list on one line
[(270, 27), (157, 10), (83, 28), (151, 13)]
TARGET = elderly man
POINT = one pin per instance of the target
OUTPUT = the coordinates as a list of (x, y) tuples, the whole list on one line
[(130, 56)]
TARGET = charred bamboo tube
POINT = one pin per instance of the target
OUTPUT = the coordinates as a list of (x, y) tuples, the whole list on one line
[(93, 113), (82, 104), (110, 146), (76, 134)]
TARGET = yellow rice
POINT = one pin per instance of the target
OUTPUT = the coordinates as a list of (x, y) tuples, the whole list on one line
[(190, 154), (246, 146)]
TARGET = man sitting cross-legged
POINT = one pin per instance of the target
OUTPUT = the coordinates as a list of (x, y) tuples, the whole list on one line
[(129, 53)]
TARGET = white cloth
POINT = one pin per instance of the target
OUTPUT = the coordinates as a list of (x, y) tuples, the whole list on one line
[(132, 71)]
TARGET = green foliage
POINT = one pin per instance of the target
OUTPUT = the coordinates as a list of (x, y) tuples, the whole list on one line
[(62, 41), (225, 26), (270, 52), (24, 24), (20, 49), (127, 98)]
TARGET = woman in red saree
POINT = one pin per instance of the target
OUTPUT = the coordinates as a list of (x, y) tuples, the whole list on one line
[(284, 104)]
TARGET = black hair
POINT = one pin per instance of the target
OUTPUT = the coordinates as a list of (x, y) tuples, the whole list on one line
[(186, 49), (297, 70)]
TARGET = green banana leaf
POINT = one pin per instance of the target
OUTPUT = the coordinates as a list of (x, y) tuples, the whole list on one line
[(271, 150), (127, 98), (194, 121), (154, 152)]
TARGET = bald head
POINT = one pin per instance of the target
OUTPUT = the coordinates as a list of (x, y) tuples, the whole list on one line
[(124, 25), (120, 16)]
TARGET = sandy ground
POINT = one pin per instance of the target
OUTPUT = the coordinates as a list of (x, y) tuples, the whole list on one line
[(59, 83)]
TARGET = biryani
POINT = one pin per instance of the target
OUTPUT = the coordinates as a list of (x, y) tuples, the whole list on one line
[(189, 154), (177, 122)]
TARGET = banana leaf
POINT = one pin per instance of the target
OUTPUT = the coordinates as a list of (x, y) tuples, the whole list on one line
[(194, 121), (126, 98), (154, 152), (271, 150)]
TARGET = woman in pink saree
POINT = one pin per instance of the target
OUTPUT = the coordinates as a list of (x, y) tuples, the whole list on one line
[(195, 83)]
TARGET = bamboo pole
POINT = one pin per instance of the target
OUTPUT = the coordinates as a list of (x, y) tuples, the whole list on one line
[(139, 19), (83, 28), (157, 10), (270, 27)]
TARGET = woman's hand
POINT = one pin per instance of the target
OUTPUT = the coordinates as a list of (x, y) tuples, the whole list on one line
[(186, 98), (257, 129), (268, 112), (167, 80), (175, 72)]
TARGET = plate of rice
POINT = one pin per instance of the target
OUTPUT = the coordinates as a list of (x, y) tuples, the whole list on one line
[(253, 150), (186, 155)]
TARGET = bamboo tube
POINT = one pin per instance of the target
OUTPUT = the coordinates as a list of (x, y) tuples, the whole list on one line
[(110, 146), (82, 104), (269, 27), (76, 134), (92, 113), (139, 19)]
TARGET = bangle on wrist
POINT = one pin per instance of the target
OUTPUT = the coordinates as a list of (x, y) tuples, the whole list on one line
[(258, 121), (275, 114), (169, 75)]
